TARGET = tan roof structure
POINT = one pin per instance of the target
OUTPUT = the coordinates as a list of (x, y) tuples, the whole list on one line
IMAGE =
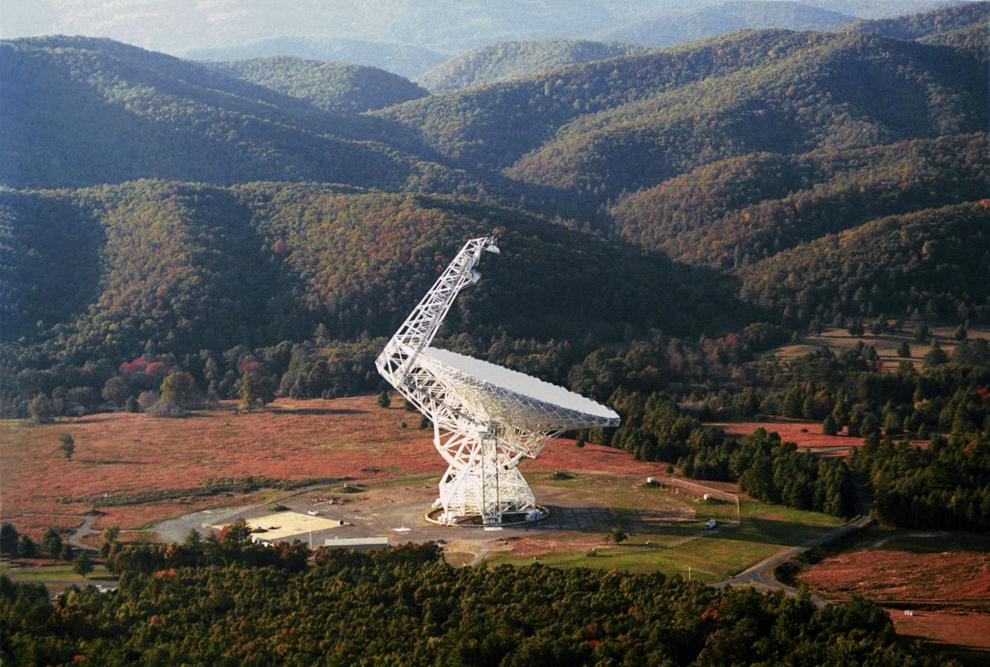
[(283, 525)]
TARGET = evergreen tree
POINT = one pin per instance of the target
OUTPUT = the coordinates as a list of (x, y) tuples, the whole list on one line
[(8, 540), (829, 426), (26, 548), (51, 543), (82, 564), (935, 356), (67, 445), (384, 399)]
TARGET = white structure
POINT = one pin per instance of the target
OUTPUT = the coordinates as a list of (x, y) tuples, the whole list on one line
[(486, 418)]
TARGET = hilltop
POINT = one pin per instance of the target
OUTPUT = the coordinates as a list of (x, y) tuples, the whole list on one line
[(736, 211), (402, 59), (108, 112), (932, 261), (723, 19), (830, 95), (335, 87), (514, 60)]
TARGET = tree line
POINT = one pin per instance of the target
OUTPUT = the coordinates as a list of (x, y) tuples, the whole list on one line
[(231, 602)]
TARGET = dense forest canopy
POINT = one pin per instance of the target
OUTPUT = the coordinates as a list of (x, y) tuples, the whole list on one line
[(227, 602), (163, 258)]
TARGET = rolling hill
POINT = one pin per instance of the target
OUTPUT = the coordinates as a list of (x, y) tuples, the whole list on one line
[(514, 60), (145, 194), (723, 19), (78, 111), (334, 87), (833, 95), (926, 24), (192, 266), (740, 210), (932, 261), (401, 59), (492, 126)]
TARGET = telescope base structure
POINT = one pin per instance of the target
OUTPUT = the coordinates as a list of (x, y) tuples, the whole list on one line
[(482, 481)]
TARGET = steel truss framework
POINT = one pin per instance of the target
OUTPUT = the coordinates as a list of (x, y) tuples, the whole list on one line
[(481, 429)]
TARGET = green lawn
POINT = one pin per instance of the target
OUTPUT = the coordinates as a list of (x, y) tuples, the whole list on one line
[(54, 573), (712, 556)]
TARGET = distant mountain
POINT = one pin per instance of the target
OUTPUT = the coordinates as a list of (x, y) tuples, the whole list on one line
[(833, 95), (77, 111), (917, 26), (513, 60), (402, 59), (493, 126), (872, 9), (723, 19), (183, 267), (444, 26), (330, 86)]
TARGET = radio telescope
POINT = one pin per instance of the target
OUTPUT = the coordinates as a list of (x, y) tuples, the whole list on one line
[(486, 418)]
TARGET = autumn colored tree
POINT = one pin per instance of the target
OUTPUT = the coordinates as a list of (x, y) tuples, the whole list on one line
[(255, 389), (41, 409)]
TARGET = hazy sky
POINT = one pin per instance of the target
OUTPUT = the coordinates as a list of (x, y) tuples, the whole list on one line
[(443, 25)]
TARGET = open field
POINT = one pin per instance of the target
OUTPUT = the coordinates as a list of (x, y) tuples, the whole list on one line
[(120, 455), (942, 577), (391, 473), (806, 434), (61, 573), (886, 344), (666, 532)]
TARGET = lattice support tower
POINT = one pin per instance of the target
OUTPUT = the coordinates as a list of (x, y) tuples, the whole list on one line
[(486, 419)]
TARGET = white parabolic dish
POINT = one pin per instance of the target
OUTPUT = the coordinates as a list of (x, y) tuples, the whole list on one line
[(486, 418), (507, 396)]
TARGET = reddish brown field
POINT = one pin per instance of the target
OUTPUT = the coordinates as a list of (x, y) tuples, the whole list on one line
[(125, 453), (944, 578), (806, 434), (942, 627)]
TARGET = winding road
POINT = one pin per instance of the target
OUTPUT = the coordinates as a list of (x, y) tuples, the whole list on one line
[(761, 574)]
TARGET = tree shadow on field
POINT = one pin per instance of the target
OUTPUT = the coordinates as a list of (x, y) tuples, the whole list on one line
[(922, 541)]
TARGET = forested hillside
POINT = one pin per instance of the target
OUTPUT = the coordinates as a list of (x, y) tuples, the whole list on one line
[(78, 111), (737, 211), (514, 60), (329, 86), (927, 24), (831, 95), (154, 262), (725, 18), (493, 126), (934, 262)]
